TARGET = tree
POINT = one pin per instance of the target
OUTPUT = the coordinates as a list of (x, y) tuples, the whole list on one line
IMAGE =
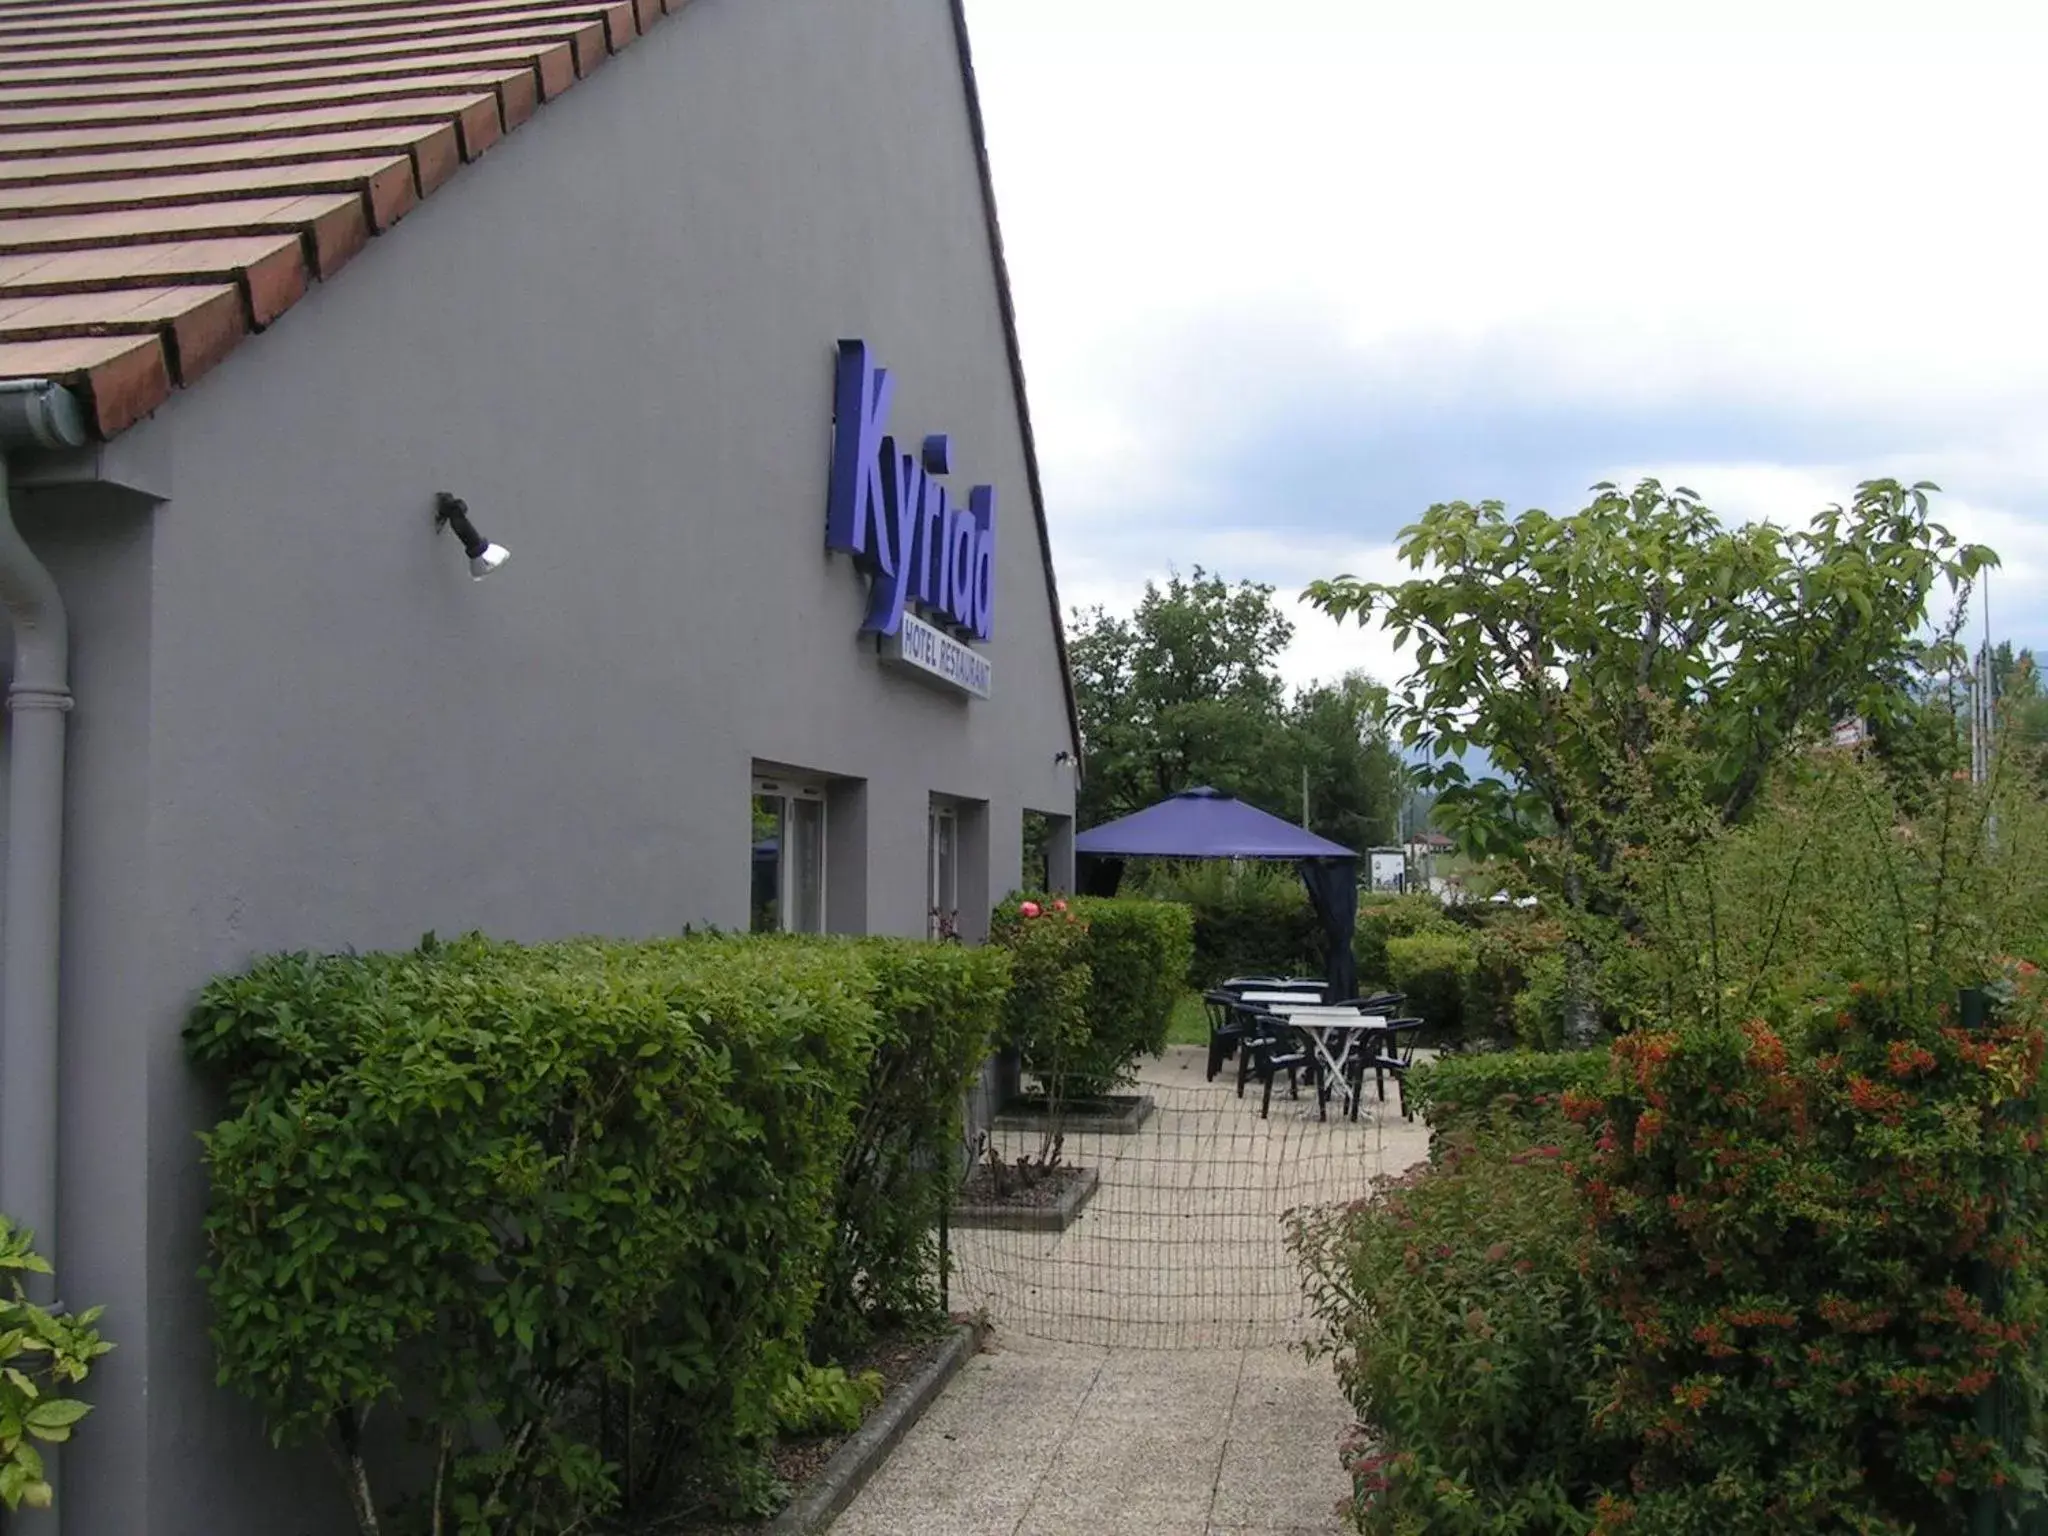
[(1566, 646), (1343, 740), (1185, 691)]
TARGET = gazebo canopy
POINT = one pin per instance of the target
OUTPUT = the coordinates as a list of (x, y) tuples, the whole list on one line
[(1206, 823)]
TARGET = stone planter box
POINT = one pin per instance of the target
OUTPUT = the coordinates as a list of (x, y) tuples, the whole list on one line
[(1056, 1217), (1121, 1114)]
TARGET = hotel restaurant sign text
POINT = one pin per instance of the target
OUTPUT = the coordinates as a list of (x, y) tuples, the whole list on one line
[(889, 511)]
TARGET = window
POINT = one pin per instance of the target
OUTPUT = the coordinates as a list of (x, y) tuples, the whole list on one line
[(942, 870), (788, 857)]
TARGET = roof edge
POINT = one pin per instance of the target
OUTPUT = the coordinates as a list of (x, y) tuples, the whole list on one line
[(1008, 307)]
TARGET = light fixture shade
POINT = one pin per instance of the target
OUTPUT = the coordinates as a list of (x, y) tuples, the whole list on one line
[(486, 560)]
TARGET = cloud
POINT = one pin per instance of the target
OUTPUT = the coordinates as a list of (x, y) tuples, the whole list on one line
[(1288, 274)]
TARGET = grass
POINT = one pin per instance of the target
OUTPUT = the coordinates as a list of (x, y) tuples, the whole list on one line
[(1190, 1023)]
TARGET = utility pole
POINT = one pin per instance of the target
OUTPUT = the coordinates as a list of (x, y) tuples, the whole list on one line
[(1304, 797)]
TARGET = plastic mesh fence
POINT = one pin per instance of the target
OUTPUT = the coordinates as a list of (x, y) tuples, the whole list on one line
[(1181, 1244)]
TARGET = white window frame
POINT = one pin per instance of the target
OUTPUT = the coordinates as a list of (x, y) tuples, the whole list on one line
[(789, 789), (942, 835)]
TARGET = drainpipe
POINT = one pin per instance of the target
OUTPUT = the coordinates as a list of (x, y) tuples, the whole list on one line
[(33, 413)]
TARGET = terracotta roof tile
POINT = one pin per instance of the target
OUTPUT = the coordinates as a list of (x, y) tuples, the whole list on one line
[(174, 174)]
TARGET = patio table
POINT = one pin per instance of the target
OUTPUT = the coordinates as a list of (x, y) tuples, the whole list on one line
[(1324, 1023)]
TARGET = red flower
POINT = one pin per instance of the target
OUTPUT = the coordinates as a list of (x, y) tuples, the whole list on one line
[(1648, 1124), (1904, 1059)]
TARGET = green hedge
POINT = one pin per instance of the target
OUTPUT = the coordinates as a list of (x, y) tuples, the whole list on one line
[(1453, 1092), (1469, 1335), (1824, 1245), (1138, 953), (939, 1009), (1433, 969), (1130, 956), (1251, 919), (1384, 918), (566, 1207)]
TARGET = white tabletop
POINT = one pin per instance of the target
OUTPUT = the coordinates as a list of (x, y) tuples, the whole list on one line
[(1326, 1015)]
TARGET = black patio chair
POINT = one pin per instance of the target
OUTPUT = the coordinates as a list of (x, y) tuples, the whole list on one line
[(1271, 1046), (1392, 1053), (1226, 1029)]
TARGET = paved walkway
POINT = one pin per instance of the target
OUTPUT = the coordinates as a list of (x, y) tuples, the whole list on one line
[(1036, 1439), (1138, 1381)]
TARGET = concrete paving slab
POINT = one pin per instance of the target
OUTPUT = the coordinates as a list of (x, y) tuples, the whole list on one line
[(1139, 1384)]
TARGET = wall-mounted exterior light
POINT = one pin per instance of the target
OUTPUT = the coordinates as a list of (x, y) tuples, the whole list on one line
[(484, 556)]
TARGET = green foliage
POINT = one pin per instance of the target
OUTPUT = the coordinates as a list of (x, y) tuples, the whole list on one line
[(1838, 878), (1045, 1016), (1124, 959), (1637, 633), (1187, 690), (1507, 948), (1826, 1245), (1464, 1327), (824, 1400), (1432, 969), (1539, 1008), (1339, 734), (1455, 1093), (939, 1010), (1138, 956), (1381, 918), (41, 1354), (518, 1190), (1540, 623), (1249, 921)]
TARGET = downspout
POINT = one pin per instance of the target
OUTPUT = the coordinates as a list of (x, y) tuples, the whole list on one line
[(38, 414), (33, 414)]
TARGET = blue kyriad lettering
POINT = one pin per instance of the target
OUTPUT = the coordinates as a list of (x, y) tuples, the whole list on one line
[(853, 519), (888, 509)]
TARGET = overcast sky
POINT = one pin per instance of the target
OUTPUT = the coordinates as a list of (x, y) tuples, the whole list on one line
[(1288, 273)]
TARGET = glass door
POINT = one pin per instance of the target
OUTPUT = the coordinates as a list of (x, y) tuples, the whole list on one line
[(788, 858)]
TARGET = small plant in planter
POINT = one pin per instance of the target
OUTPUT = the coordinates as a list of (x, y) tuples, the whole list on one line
[(1027, 1172), (41, 1353)]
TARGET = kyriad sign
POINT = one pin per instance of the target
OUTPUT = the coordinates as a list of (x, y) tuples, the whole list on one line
[(890, 511)]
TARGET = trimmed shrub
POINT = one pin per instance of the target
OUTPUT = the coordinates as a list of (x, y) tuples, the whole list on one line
[(1249, 921), (566, 1206), (1138, 953), (1465, 1326), (1129, 956), (1826, 1249), (1454, 1093), (1382, 918), (1433, 968), (939, 1009)]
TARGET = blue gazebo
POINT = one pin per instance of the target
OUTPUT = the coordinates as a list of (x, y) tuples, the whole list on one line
[(1206, 823)]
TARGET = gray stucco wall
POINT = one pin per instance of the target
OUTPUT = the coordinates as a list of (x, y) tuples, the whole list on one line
[(303, 726)]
